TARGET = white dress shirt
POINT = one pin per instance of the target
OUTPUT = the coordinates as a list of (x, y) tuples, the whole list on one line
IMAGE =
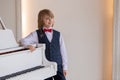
[(32, 38)]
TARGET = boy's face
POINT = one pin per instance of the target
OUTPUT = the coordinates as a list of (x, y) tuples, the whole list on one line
[(48, 21)]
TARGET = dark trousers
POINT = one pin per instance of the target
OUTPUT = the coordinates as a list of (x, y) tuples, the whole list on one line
[(59, 76)]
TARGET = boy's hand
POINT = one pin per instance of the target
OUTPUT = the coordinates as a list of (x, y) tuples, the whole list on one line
[(65, 72), (31, 48)]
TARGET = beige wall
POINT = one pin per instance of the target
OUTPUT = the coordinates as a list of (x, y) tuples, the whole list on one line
[(116, 41), (8, 14), (87, 31)]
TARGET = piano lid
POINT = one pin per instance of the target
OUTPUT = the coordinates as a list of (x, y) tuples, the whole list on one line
[(7, 39)]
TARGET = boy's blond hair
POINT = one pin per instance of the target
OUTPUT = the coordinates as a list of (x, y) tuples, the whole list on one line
[(41, 14)]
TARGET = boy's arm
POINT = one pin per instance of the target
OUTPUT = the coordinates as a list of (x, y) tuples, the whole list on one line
[(28, 41), (63, 53)]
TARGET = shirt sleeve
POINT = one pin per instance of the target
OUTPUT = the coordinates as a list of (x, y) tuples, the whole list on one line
[(30, 39), (63, 53)]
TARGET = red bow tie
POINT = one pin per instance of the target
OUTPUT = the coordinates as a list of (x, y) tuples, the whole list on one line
[(47, 30)]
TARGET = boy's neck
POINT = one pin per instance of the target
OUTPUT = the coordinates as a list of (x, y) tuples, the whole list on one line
[(47, 27)]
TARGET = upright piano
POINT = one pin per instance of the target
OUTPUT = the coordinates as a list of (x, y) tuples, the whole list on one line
[(19, 63)]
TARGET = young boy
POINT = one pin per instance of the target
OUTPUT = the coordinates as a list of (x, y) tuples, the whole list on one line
[(55, 47)]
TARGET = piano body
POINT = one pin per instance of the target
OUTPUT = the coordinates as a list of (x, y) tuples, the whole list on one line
[(18, 63)]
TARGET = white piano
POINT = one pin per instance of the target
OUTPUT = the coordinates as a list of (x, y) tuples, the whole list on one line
[(18, 63)]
